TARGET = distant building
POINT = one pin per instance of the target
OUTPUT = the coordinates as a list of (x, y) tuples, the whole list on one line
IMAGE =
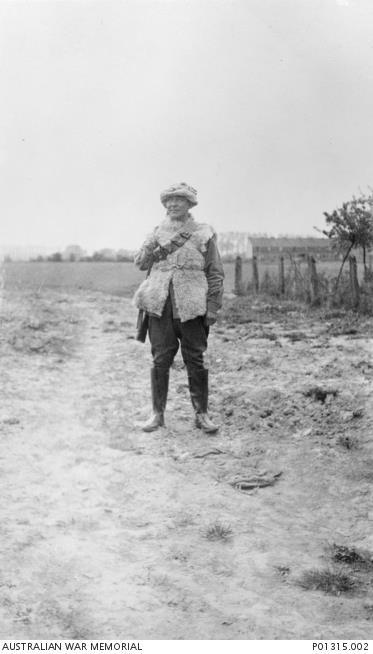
[(269, 249), (232, 244), (265, 248)]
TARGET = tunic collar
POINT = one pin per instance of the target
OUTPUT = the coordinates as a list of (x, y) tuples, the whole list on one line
[(168, 228)]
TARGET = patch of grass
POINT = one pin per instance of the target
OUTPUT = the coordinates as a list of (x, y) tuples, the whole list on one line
[(242, 310), (349, 442), (369, 610), (320, 394), (114, 278), (332, 582), (358, 559), (282, 570), (218, 531), (296, 336), (337, 313)]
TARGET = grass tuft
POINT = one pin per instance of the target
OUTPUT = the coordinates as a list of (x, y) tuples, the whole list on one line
[(320, 394), (358, 559), (332, 582), (349, 442), (218, 531)]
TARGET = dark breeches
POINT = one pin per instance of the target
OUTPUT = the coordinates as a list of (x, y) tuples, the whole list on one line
[(166, 333)]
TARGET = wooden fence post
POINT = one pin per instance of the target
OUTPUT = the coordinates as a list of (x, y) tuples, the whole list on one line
[(281, 276), (238, 276), (354, 282), (255, 275), (313, 280)]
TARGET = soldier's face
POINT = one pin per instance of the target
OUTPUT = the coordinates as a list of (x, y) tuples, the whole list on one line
[(177, 207)]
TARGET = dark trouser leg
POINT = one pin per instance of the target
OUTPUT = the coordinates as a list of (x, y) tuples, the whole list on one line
[(164, 345), (193, 345), (193, 339), (163, 338)]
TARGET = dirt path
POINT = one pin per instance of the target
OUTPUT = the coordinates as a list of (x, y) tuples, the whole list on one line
[(105, 529)]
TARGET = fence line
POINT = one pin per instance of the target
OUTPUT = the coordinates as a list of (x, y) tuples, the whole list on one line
[(306, 285)]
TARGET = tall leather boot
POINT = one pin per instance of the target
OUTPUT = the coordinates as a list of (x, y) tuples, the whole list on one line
[(159, 383), (199, 388)]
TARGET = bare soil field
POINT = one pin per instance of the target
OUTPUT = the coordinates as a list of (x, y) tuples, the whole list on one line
[(262, 531)]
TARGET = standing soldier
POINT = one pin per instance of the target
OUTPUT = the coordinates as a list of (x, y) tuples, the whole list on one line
[(181, 296)]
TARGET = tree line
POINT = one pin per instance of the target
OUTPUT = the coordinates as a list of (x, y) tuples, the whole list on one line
[(105, 254)]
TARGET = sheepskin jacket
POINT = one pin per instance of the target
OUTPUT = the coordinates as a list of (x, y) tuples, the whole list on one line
[(184, 268)]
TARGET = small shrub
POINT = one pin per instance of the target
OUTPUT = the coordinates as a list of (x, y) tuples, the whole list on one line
[(218, 531)]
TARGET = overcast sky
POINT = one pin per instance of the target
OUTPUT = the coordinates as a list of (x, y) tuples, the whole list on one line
[(265, 106)]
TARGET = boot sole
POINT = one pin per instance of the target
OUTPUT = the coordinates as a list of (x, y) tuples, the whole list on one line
[(150, 429)]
